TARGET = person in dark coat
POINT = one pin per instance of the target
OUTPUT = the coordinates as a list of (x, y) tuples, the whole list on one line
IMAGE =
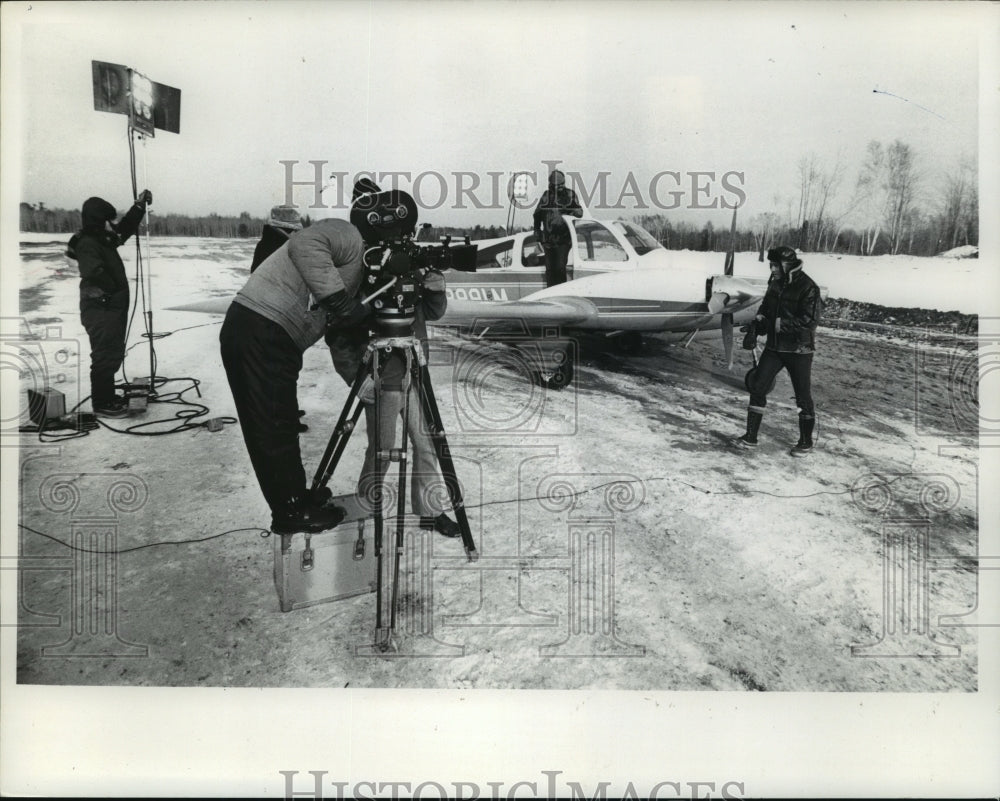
[(104, 293), (551, 230), (788, 316), (283, 222)]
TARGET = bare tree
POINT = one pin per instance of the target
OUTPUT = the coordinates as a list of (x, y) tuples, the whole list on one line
[(817, 190), (901, 180), (764, 227), (871, 196), (959, 206)]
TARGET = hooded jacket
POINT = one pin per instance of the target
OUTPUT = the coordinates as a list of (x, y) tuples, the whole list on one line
[(318, 261), (95, 249), (791, 309), (271, 238)]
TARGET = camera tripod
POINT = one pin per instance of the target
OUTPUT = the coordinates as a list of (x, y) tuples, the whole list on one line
[(419, 380)]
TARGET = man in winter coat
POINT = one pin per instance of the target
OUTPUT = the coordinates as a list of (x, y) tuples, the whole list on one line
[(788, 316), (282, 310), (347, 349), (283, 222), (104, 293), (551, 230)]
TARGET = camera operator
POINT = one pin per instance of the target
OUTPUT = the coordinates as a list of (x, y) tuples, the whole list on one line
[(269, 325), (347, 346), (104, 293), (788, 316)]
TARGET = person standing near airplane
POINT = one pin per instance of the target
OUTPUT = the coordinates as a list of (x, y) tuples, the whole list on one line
[(283, 222), (788, 316), (551, 230), (104, 293)]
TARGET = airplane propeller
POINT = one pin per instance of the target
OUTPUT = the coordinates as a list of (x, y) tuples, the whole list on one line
[(727, 319)]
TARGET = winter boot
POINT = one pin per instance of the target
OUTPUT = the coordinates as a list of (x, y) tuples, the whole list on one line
[(306, 515), (805, 444), (749, 440)]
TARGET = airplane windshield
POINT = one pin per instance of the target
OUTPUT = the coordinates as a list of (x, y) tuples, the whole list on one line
[(639, 238), (594, 242)]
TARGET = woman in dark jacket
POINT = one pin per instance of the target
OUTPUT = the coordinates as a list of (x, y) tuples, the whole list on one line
[(104, 293), (788, 317)]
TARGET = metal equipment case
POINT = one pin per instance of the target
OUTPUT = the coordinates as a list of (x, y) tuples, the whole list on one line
[(340, 563)]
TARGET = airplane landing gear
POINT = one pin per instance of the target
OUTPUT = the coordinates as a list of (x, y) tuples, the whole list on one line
[(558, 377), (630, 343)]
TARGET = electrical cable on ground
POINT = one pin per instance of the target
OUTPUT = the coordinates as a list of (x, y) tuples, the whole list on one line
[(265, 533)]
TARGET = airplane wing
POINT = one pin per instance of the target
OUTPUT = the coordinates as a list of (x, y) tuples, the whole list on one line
[(563, 311), (213, 306)]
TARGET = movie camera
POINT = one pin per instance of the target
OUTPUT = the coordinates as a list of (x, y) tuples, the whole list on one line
[(395, 264)]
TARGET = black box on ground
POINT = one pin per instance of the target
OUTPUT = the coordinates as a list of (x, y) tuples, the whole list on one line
[(46, 404)]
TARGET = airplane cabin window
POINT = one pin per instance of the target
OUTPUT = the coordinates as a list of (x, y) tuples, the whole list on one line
[(531, 253), (639, 238), (594, 242)]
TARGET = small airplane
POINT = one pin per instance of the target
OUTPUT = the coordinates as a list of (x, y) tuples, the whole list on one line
[(621, 282)]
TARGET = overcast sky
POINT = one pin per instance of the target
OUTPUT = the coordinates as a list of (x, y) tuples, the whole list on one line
[(623, 87)]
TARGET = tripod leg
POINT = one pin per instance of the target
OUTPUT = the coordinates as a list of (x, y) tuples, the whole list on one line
[(401, 504), (382, 631), (433, 416), (342, 432)]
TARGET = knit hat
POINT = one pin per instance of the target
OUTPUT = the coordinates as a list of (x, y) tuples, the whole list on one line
[(784, 255), (556, 178), (285, 217), (96, 211)]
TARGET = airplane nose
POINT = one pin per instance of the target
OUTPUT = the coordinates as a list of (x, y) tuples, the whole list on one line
[(717, 302)]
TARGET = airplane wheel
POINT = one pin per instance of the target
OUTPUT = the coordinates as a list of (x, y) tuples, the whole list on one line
[(630, 343), (560, 378)]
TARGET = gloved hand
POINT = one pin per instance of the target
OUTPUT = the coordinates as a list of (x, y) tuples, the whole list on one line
[(434, 281), (343, 311), (145, 198)]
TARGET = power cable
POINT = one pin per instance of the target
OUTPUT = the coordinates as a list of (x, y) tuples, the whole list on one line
[(264, 533)]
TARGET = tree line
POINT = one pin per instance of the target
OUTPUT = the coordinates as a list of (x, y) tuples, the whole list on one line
[(890, 204), (39, 219), (893, 205)]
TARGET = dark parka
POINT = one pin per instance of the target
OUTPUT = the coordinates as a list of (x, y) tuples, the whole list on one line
[(102, 273), (791, 309), (550, 227), (271, 238)]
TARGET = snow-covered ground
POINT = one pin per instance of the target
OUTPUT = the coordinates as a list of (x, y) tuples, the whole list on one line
[(946, 284), (623, 544)]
